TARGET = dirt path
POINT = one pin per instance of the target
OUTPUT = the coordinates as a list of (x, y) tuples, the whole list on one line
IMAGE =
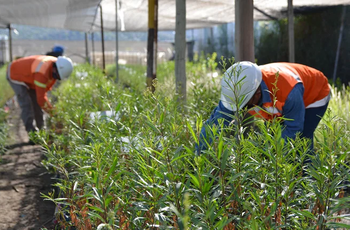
[(22, 179)]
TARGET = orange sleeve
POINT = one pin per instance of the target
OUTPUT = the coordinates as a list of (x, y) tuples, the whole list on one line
[(40, 82)]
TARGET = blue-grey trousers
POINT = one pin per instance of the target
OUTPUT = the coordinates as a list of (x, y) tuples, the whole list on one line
[(313, 116), (30, 109)]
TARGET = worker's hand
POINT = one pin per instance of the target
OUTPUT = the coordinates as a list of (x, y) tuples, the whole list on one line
[(53, 112), (58, 127), (50, 112)]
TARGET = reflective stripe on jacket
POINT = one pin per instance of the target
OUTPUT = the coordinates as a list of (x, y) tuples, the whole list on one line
[(36, 72), (280, 79)]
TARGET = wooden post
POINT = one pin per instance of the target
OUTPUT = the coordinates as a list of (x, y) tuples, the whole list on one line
[(291, 31), (180, 49), (244, 32), (152, 43)]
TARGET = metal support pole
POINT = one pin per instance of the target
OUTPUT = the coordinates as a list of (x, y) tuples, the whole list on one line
[(116, 42), (180, 51), (339, 44), (87, 59), (244, 32), (103, 42), (93, 49), (155, 41), (10, 41), (152, 43), (291, 31)]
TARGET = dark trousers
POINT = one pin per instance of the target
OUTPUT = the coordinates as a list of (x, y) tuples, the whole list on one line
[(30, 109), (312, 118)]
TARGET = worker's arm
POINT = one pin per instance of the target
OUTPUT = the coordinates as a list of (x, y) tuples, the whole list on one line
[(294, 111), (205, 137), (40, 83)]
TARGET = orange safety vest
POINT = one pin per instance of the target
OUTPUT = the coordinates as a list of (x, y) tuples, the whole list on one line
[(35, 72), (280, 79)]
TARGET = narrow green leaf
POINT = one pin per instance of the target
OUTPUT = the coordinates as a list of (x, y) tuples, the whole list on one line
[(155, 129), (108, 200), (303, 213), (224, 159), (194, 180), (111, 170), (96, 209), (338, 225), (180, 157), (192, 132)]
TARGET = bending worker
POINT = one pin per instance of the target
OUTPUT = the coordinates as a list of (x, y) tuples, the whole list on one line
[(302, 94), (31, 78)]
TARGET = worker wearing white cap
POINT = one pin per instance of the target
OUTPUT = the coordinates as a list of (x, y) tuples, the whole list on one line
[(296, 92), (31, 78)]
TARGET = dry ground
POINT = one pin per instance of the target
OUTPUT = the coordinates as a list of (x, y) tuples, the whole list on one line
[(22, 179)]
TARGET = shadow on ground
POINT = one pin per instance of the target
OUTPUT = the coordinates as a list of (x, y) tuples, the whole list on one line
[(22, 181), (17, 145)]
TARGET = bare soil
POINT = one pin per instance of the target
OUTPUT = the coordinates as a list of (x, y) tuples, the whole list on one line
[(22, 180)]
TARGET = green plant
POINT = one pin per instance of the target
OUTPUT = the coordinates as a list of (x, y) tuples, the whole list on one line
[(3, 131), (139, 170), (6, 91)]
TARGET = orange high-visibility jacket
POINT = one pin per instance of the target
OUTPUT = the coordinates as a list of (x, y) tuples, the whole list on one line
[(36, 73), (280, 78)]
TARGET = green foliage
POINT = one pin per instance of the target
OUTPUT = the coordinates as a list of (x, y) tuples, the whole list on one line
[(316, 40), (6, 91), (272, 45), (3, 131), (129, 75), (340, 103), (141, 171)]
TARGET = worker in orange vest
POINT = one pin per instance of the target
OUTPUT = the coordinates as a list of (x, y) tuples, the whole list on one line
[(296, 92), (31, 78)]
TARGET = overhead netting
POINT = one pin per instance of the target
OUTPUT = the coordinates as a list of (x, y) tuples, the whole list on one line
[(84, 15), (62, 14)]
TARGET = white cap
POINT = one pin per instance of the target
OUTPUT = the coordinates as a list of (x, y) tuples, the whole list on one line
[(64, 66), (239, 84)]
